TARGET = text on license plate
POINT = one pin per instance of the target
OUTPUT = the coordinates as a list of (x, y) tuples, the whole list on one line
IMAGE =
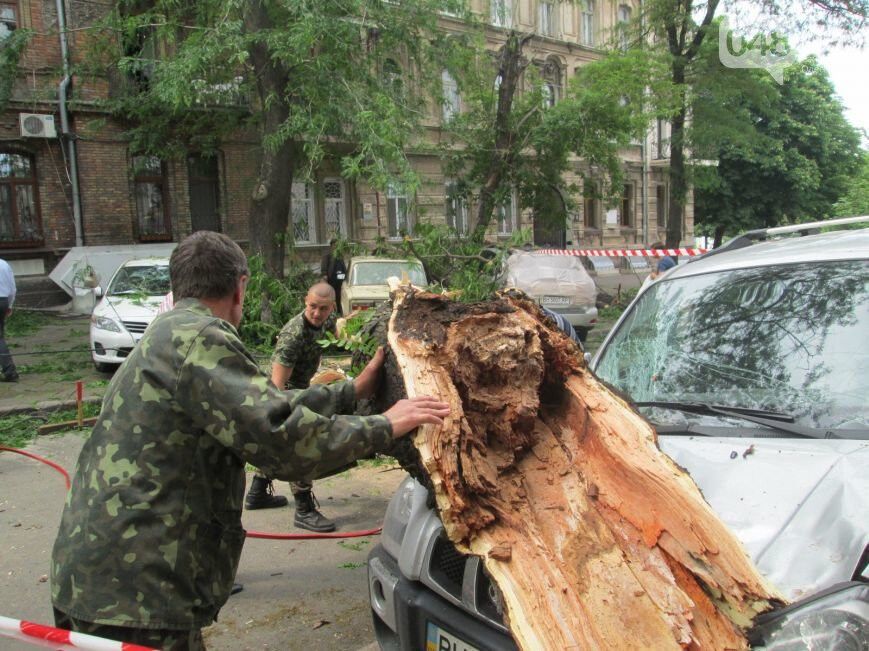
[(437, 639), (554, 300)]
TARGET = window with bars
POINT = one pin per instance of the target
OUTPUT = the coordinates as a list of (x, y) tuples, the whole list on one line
[(397, 213), (587, 22), (20, 221), (456, 209), (152, 208), (452, 100), (333, 209), (501, 13), (302, 213)]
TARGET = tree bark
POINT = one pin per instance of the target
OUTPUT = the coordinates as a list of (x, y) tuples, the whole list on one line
[(270, 198), (511, 63), (595, 538)]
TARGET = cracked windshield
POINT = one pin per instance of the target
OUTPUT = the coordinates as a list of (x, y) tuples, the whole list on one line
[(788, 338), (151, 281)]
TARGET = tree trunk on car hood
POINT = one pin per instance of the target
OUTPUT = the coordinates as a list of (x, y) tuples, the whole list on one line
[(594, 536)]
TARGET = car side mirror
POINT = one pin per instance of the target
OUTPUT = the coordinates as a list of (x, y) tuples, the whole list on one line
[(98, 291), (587, 357)]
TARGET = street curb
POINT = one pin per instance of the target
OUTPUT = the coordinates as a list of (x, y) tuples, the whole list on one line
[(47, 407)]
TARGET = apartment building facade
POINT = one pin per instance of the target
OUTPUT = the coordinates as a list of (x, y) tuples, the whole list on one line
[(68, 176)]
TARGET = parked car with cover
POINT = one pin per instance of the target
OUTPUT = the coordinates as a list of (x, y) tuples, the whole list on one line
[(752, 364), (557, 282), (365, 285), (126, 307)]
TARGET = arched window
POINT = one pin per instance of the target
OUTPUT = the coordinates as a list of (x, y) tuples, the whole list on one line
[(8, 18), (451, 99), (551, 83), (19, 201), (587, 22)]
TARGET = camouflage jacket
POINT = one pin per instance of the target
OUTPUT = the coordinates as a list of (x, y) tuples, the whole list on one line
[(297, 348), (151, 532)]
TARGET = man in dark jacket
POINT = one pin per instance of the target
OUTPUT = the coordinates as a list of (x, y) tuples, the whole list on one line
[(332, 269), (151, 535)]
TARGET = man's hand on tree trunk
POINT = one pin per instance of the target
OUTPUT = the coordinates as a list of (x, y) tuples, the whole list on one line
[(408, 414)]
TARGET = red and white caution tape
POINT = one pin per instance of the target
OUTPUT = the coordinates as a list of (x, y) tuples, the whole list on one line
[(57, 638), (622, 253)]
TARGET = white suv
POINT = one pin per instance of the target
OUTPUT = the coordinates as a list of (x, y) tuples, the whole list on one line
[(752, 363)]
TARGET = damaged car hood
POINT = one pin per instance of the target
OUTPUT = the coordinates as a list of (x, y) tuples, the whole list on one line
[(800, 507)]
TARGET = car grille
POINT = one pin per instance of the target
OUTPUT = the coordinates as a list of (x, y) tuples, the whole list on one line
[(124, 352), (463, 581), (135, 327)]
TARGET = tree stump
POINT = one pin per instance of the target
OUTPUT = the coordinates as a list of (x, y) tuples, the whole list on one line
[(595, 537)]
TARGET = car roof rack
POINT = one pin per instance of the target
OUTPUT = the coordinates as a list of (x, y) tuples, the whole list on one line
[(759, 235)]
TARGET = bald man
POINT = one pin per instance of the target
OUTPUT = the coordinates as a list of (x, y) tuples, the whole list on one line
[(294, 362)]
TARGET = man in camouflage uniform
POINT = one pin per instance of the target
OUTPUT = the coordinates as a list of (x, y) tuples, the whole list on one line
[(295, 360), (151, 533)]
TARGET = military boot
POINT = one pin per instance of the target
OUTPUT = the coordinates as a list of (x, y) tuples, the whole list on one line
[(307, 515), (262, 495)]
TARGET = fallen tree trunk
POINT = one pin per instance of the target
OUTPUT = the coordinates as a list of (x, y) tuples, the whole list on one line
[(595, 538)]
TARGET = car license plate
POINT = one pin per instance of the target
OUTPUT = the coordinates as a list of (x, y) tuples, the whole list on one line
[(554, 300), (437, 639)]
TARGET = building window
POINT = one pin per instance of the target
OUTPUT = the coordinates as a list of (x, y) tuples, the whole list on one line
[(456, 209), (203, 186), (334, 211), (626, 214), (502, 13), (587, 22), (392, 79), (452, 101), (19, 200), (546, 18), (507, 214), (151, 206), (551, 83), (624, 18), (661, 206), (397, 211), (590, 207), (662, 139), (302, 213), (8, 18)]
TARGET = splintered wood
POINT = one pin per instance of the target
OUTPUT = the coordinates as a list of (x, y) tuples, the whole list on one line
[(595, 538)]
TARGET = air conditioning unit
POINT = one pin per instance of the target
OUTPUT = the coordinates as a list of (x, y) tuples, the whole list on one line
[(37, 125)]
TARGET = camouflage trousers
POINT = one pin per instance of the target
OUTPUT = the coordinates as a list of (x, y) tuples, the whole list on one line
[(167, 640)]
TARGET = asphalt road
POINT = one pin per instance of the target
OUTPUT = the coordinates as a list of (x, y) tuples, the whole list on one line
[(299, 595)]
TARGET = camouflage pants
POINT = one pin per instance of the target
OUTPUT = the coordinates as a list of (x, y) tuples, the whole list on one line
[(167, 640), (296, 486)]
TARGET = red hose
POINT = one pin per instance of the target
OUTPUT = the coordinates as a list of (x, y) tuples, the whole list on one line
[(250, 534)]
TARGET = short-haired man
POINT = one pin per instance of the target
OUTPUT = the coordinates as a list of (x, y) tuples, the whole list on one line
[(295, 360), (151, 533)]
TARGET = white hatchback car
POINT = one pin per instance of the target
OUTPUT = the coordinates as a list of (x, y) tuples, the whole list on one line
[(126, 308), (366, 286)]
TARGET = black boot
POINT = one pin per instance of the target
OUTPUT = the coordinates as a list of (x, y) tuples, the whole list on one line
[(262, 495), (307, 515)]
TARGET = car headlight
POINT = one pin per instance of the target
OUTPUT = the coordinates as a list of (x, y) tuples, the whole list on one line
[(397, 517), (837, 618), (105, 323)]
